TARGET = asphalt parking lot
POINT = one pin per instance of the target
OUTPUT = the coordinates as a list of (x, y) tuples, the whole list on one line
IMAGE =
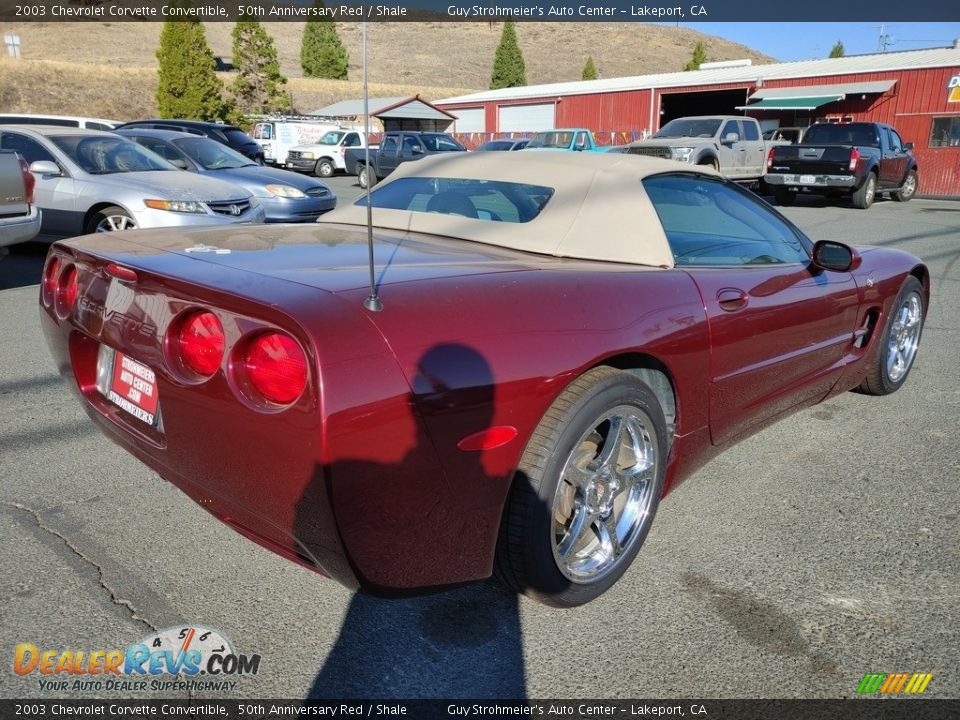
[(819, 550)]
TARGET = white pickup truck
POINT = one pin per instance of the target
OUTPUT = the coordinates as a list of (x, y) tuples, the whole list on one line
[(732, 144), (325, 157)]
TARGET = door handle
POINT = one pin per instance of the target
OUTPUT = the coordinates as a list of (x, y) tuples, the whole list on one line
[(732, 299)]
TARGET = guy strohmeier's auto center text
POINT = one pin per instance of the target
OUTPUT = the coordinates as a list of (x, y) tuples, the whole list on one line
[(570, 11)]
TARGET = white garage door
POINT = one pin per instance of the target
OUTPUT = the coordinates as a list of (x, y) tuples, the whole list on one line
[(470, 120), (526, 118)]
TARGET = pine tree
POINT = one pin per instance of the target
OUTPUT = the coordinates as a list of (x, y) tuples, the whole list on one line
[(188, 86), (699, 56), (837, 50), (322, 55), (508, 67), (589, 70), (258, 86)]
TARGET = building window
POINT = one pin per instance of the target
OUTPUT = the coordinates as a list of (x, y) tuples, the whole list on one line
[(945, 132)]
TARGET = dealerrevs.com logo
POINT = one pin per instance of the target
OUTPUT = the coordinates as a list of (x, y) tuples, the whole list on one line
[(198, 658)]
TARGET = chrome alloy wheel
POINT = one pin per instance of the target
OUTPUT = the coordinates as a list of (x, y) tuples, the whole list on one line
[(604, 497), (904, 337), (110, 223)]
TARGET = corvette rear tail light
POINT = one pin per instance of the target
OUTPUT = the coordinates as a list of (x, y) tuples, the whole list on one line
[(770, 159), (854, 157), (66, 293), (48, 289), (200, 343), (276, 367), (29, 181)]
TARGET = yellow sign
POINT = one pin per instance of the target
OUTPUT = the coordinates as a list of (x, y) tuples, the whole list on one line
[(954, 87)]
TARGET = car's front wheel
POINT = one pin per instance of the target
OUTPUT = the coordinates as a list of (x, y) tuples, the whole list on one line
[(897, 347), (110, 219), (324, 168), (586, 490), (908, 189)]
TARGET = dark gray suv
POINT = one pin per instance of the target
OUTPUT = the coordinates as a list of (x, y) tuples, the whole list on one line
[(229, 135)]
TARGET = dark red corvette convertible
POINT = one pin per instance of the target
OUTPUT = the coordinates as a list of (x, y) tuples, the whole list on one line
[(563, 339)]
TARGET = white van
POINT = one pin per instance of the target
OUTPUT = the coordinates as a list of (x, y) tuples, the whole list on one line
[(325, 157), (277, 136), (59, 120)]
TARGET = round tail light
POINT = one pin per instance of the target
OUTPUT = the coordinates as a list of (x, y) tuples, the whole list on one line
[(276, 367), (66, 294), (48, 290), (201, 342)]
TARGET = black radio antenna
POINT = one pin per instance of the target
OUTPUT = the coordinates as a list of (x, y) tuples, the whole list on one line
[(372, 301)]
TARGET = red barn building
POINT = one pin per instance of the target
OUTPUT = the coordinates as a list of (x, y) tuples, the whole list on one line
[(918, 92)]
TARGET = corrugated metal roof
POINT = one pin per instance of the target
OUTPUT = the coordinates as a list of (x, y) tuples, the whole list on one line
[(355, 107), (415, 109), (892, 61)]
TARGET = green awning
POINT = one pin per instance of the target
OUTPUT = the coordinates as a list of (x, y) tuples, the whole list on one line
[(791, 103)]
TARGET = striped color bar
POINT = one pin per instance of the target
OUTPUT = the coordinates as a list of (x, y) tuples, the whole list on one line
[(894, 683)]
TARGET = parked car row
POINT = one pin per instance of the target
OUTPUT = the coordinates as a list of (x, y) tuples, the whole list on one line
[(150, 174)]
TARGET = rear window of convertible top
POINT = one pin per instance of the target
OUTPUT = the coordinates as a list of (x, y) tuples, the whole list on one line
[(484, 200)]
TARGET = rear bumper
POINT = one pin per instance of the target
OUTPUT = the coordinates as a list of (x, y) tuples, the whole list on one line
[(812, 181), (20, 229)]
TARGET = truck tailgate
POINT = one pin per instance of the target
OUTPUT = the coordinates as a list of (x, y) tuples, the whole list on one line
[(812, 159)]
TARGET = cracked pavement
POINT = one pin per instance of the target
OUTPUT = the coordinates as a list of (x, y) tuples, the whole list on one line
[(819, 550)]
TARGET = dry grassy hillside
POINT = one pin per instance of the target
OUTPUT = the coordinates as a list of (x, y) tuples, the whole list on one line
[(437, 59)]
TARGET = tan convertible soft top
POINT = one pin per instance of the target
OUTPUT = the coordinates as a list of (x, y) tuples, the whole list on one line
[(599, 210)]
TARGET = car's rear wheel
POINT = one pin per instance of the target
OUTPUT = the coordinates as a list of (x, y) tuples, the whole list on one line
[(864, 196), (324, 168), (110, 219), (908, 189), (897, 348), (586, 491), (784, 197), (366, 176)]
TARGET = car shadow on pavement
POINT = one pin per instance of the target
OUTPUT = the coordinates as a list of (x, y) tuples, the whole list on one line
[(405, 523)]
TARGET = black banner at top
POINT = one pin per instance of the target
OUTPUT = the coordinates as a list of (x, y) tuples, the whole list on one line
[(482, 10)]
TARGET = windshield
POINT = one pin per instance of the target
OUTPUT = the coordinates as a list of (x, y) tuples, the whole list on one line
[(108, 154), (211, 155), (690, 127), (551, 140), (440, 143), (332, 138)]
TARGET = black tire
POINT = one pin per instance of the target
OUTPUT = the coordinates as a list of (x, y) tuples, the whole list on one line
[(908, 189), (885, 375), (363, 173), (865, 194), (110, 219), (784, 197), (325, 168), (569, 443)]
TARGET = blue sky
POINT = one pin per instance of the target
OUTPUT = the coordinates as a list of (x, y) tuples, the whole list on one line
[(805, 41)]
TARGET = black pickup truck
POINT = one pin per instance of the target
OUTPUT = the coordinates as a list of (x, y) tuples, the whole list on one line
[(859, 159), (396, 147)]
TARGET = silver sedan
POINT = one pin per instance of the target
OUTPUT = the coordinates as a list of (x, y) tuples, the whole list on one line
[(90, 181)]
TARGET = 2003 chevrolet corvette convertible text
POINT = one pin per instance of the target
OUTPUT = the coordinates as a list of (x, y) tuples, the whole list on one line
[(564, 339)]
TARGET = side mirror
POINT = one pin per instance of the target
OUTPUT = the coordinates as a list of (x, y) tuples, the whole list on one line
[(731, 137), (832, 255), (416, 150), (47, 168), (908, 146), (180, 164)]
